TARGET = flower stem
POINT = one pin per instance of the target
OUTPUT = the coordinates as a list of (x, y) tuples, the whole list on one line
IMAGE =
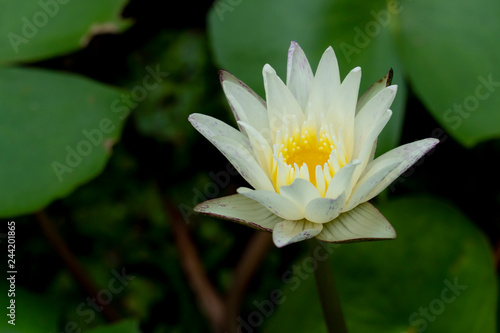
[(328, 296)]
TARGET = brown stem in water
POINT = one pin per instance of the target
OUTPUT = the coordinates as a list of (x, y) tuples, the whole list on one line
[(72, 263)]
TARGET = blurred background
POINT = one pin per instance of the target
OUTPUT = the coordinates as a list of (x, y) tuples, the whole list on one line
[(100, 169)]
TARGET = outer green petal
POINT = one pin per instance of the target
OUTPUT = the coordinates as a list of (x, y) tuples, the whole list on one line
[(362, 223), (374, 90), (240, 209)]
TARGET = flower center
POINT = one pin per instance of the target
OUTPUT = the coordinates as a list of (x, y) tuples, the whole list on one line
[(306, 149), (304, 152)]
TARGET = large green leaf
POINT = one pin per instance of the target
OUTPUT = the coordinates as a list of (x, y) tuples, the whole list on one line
[(437, 276), (454, 63), (253, 33), (56, 132), (38, 29)]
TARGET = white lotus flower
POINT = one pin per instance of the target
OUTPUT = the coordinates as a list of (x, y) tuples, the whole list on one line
[(308, 153)]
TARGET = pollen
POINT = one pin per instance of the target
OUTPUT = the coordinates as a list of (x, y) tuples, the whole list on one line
[(308, 153), (307, 149)]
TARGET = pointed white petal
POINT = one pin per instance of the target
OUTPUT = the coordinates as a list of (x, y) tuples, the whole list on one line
[(369, 115), (322, 210), (240, 209), (300, 192), (366, 149), (280, 101), (370, 179), (261, 147), (244, 162), (409, 154), (288, 232), (246, 105), (342, 181), (325, 85), (211, 127), (299, 74), (364, 222), (342, 109), (234, 146), (374, 90), (225, 76), (276, 203)]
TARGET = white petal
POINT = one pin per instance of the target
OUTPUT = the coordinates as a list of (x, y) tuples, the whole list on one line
[(370, 179), (367, 148), (211, 127), (342, 181), (342, 110), (322, 210), (299, 74), (364, 222), (244, 162), (246, 105), (280, 101), (325, 85), (300, 192), (235, 147), (409, 154), (369, 115), (276, 203), (261, 147), (240, 209), (288, 232), (374, 90)]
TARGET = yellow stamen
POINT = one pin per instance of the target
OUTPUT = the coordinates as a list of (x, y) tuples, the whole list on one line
[(298, 155)]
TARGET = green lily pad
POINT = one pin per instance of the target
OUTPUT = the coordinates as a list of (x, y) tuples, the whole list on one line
[(56, 133), (453, 63), (38, 29), (436, 276), (246, 35)]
